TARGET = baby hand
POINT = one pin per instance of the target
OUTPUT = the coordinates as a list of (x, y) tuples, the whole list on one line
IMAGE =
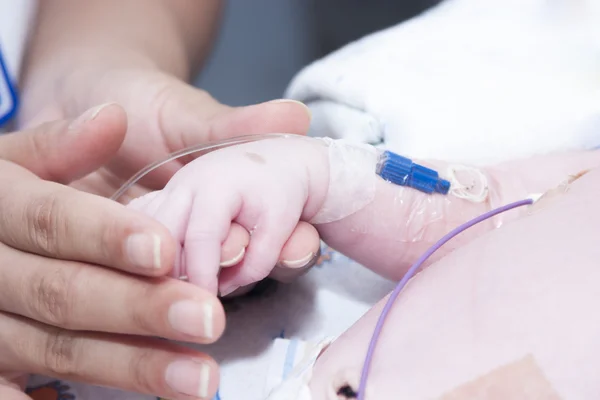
[(267, 187), (250, 195)]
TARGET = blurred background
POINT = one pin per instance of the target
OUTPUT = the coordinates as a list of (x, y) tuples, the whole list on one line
[(264, 43)]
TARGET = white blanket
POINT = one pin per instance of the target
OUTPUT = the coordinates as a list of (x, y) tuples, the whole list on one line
[(468, 81)]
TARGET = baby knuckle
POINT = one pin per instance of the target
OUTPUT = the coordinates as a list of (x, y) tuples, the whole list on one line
[(52, 297), (256, 275), (59, 356), (45, 219), (203, 234)]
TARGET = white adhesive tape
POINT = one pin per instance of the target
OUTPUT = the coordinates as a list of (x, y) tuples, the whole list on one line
[(476, 190), (295, 386), (352, 180)]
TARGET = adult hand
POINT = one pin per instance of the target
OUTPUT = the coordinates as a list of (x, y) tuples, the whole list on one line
[(164, 113), (70, 304)]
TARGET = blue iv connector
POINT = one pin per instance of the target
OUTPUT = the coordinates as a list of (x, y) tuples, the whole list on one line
[(402, 171)]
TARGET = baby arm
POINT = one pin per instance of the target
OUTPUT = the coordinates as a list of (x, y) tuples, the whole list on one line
[(270, 185), (401, 223)]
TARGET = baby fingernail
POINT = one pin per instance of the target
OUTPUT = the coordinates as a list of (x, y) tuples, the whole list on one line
[(235, 260), (89, 115), (192, 318), (143, 250), (303, 262), (189, 377), (227, 290)]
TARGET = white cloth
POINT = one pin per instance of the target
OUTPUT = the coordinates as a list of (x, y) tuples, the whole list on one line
[(469, 81)]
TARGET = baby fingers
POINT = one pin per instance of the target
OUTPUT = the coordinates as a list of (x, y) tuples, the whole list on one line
[(173, 210), (235, 211), (299, 254), (270, 231), (229, 238)]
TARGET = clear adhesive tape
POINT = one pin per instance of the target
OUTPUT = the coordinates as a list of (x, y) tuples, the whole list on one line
[(352, 180)]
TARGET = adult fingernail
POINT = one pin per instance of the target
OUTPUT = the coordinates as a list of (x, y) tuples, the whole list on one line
[(143, 250), (235, 260), (192, 318), (189, 377), (300, 263), (290, 101), (88, 116)]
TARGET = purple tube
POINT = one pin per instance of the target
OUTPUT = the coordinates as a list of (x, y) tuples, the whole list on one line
[(411, 272)]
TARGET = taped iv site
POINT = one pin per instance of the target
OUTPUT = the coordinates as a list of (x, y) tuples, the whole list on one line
[(392, 168)]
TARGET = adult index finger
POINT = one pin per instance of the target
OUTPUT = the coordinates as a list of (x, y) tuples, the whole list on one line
[(57, 221)]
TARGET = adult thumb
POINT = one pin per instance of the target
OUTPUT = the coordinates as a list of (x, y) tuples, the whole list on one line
[(191, 116), (63, 151)]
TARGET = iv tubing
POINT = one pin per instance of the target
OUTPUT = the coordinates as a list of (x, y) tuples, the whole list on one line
[(411, 272)]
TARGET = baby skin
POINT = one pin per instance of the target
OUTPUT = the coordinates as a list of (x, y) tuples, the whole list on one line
[(251, 198), (511, 315)]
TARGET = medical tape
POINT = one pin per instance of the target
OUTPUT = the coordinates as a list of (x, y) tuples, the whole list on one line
[(475, 189), (541, 200), (522, 379), (295, 369), (352, 179)]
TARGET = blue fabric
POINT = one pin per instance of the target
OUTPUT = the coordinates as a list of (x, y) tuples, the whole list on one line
[(7, 97)]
